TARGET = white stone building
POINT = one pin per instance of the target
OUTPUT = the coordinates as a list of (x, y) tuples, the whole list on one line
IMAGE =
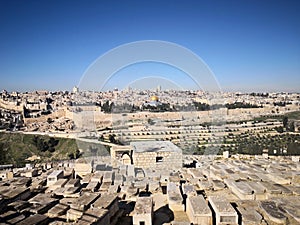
[(156, 154)]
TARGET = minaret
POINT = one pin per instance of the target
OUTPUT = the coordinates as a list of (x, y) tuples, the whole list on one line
[(158, 88)]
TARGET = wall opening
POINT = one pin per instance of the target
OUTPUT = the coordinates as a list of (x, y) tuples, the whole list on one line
[(159, 159)]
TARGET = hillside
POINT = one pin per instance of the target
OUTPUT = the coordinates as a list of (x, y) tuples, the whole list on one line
[(16, 147)]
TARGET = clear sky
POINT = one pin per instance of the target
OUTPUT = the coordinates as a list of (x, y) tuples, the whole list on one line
[(249, 45)]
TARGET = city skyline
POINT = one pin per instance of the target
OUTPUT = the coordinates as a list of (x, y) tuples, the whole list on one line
[(249, 46)]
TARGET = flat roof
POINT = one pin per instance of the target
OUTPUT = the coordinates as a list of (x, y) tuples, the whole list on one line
[(199, 205), (143, 205), (105, 201), (97, 213), (154, 146), (34, 219), (55, 173), (87, 198), (14, 192), (221, 204)]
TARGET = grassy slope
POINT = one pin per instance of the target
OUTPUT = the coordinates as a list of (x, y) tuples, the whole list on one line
[(16, 147), (293, 115)]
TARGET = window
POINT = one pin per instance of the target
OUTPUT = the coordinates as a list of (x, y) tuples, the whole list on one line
[(142, 223), (159, 159)]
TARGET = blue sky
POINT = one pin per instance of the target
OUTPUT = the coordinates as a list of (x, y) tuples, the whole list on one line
[(249, 45)]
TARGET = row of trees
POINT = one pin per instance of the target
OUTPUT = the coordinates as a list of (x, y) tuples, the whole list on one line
[(288, 125), (164, 107), (258, 94), (253, 144), (109, 107), (281, 104), (237, 105)]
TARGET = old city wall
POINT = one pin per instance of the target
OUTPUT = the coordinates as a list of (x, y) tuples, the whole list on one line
[(43, 118), (10, 105)]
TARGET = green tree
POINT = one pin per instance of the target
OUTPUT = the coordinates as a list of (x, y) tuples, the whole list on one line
[(101, 138), (112, 138), (279, 129), (292, 127), (53, 142), (285, 121), (151, 122)]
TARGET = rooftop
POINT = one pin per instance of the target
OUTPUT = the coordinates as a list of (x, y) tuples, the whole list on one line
[(154, 146), (221, 204), (55, 173), (143, 205), (199, 205), (104, 201)]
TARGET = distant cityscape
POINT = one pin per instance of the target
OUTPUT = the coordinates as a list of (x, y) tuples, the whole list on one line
[(149, 112), (143, 157)]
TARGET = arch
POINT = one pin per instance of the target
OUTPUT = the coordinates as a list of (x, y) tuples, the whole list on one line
[(126, 159)]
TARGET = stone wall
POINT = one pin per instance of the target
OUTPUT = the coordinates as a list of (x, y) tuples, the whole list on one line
[(10, 105), (56, 114), (198, 211), (158, 160)]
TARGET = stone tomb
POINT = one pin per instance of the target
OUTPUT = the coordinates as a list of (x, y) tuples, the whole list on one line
[(224, 212), (156, 154), (143, 211), (198, 211)]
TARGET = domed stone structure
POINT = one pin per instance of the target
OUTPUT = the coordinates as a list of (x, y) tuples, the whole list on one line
[(154, 98), (154, 102)]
